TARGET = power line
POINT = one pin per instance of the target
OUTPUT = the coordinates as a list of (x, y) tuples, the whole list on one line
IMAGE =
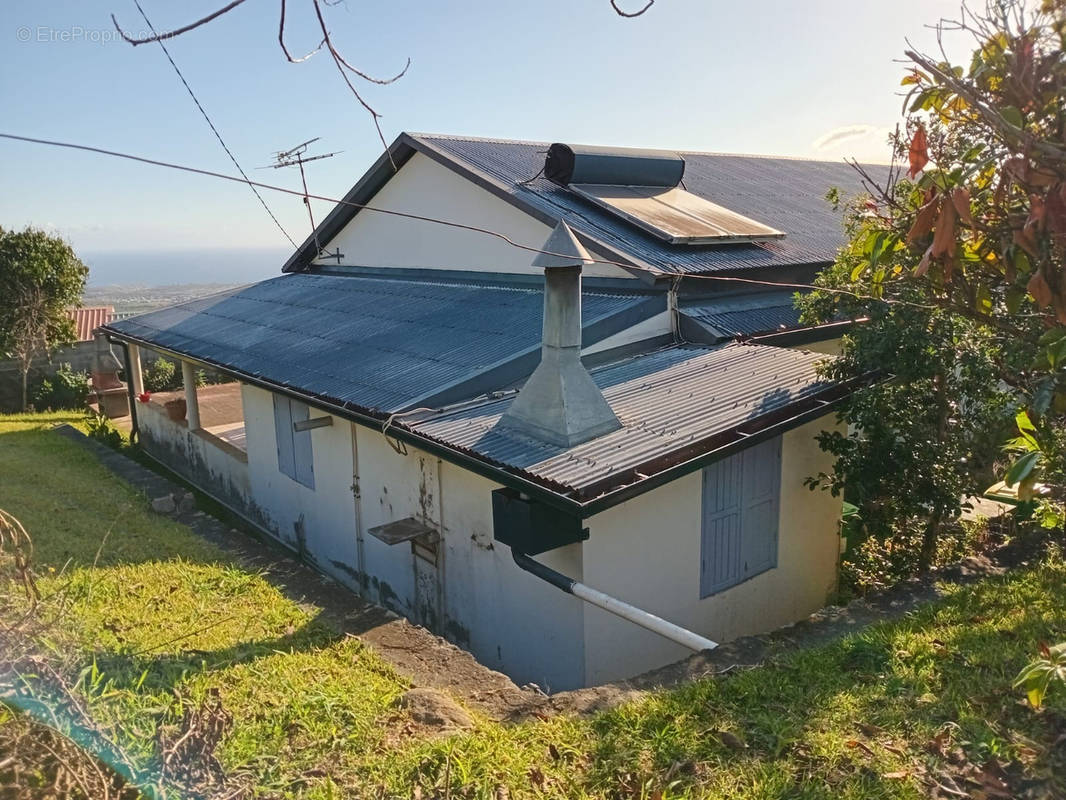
[(211, 125), (461, 226)]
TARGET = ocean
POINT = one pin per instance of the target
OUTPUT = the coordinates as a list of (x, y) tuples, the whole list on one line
[(149, 268)]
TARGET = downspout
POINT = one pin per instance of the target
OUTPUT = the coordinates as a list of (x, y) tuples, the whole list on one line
[(668, 630), (127, 365)]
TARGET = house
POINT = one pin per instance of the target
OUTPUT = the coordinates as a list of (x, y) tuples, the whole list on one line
[(568, 430)]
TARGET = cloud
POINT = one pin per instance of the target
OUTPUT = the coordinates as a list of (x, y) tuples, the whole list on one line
[(863, 142), (841, 134)]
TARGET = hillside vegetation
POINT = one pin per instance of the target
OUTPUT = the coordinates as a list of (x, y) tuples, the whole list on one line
[(157, 633)]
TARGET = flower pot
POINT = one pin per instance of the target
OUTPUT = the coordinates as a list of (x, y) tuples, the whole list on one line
[(175, 409)]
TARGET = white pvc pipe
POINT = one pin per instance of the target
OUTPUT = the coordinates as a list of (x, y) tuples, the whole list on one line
[(668, 630), (675, 633)]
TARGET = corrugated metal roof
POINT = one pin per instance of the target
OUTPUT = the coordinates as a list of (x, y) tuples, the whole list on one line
[(784, 193), (381, 344), (89, 318), (746, 315), (667, 401)]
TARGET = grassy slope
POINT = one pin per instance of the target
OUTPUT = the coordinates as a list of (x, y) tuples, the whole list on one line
[(313, 713)]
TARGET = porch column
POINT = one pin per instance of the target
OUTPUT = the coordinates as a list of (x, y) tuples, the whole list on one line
[(192, 407), (136, 377)]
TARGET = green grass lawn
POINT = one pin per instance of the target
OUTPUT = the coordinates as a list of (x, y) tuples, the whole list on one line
[(160, 617)]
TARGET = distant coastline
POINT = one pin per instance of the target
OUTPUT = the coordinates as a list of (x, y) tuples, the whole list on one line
[(195, 266), (128, 299)]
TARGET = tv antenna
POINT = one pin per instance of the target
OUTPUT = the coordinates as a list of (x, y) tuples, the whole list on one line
[(296, 157)]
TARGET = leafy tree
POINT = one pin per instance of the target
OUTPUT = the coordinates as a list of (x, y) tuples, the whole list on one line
[(959, 265), (39, 278)]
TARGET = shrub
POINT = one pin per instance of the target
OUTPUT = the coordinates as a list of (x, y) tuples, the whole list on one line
[(66, 389), (874, 563), (104, 431), (161, 376)]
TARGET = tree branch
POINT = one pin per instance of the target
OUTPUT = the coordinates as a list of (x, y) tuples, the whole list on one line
[(177, 31), (281, 41), (995, 120), (630, 14)]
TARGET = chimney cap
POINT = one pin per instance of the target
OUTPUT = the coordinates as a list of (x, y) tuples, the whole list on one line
[(562, 250)]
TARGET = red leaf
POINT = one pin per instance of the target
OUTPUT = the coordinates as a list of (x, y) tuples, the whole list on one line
[(923, 223), (918, 153), (1024, 239), (944, 235), (1037, 214), (960, 198), (1055, 210), (1016, 168), (1039, 289)]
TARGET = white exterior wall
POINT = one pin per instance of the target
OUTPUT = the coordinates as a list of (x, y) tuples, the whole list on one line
[(205, 461), (647, 552), (508, 619), (424, 187), (319, 523)]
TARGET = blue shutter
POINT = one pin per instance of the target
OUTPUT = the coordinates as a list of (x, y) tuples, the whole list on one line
[(741, 505), (721, 525), (283, 434), (761, 508), (303, 456)]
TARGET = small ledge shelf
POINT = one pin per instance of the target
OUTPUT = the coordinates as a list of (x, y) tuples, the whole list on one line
[(403, 530)]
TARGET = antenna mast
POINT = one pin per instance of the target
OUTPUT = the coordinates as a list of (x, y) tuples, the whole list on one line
[(295, 157)]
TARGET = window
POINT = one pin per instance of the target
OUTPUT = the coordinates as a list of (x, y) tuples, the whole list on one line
[(294, 449), (741, 504)]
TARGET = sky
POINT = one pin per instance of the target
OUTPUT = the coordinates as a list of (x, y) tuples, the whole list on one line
[(817, 79)]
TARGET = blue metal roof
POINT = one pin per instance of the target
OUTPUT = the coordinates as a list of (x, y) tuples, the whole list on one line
[(744, 315), (379, 344), (784, 193), (670, 402)]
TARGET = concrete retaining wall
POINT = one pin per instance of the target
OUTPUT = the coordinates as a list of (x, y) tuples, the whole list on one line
[(204, 460)]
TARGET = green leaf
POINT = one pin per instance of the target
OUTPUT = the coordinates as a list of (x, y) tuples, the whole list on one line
[(1025, 425), (984, 300), (1012, 115), (1042, 396), (1052, 335), (921, 99), (1021, 469), (1056, 353), (1014, 298)]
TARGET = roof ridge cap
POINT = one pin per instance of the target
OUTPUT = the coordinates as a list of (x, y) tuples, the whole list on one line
[(681, 151)]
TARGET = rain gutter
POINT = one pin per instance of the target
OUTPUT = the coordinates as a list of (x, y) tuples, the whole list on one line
[(732, 441)]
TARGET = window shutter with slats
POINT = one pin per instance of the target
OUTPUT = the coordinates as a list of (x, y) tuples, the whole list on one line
[(741, 506)]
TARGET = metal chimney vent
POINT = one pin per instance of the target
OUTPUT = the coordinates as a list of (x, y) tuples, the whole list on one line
[(560, 403)]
